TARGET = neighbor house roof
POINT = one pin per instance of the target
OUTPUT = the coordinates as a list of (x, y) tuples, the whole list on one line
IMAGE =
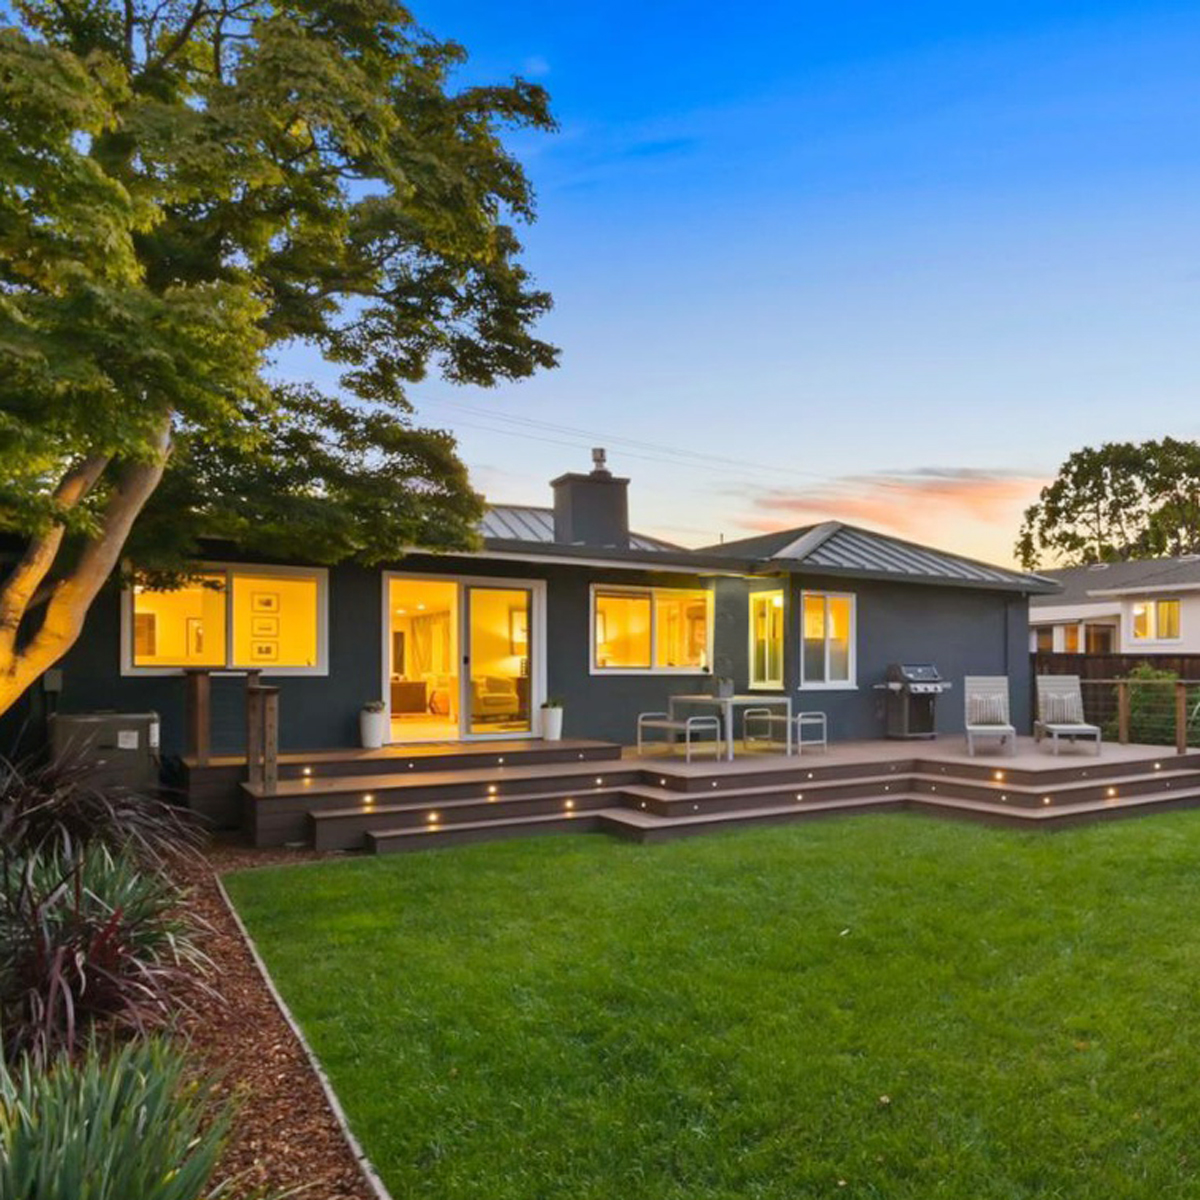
[(528, 523), (838, 549), (1098, 583)]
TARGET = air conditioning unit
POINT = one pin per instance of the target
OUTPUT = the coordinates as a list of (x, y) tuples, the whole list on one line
[(122, 747)]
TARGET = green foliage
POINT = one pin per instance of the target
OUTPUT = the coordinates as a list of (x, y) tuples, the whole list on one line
[(1122, 501), (130, 1126), (90, 943), (61, 806), (919, 1008), (187, 188), (1151, 706)]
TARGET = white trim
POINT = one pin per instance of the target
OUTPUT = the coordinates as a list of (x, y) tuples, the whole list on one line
[(536, 651), (766, 685), (319, 574), (651, 591), (1165, 590), (826, 684)]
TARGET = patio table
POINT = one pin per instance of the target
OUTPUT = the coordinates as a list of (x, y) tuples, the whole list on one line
[(725, 706)]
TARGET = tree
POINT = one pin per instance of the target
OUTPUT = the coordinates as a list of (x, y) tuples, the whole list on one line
[(1122, 501), (184, 189)]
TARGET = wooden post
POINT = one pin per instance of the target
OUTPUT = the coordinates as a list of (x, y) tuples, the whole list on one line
[(1180, 717), (1123, 711), (254, 735), (270, 733), (198, 715)]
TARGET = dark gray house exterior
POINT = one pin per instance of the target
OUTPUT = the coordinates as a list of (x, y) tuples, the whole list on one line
[(562, 602)]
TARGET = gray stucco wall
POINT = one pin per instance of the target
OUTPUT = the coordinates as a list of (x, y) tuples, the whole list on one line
[(963, 631)]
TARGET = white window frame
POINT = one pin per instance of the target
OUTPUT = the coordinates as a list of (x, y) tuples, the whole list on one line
[(229, 569), (840, 685), (766, 685), (650, 593), (1152, 606)]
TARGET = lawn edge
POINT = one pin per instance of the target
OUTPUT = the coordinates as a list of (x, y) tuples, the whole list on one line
[(366, 1168)]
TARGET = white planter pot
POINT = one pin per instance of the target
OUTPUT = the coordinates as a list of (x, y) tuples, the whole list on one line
[(372, 727), (552, 724)]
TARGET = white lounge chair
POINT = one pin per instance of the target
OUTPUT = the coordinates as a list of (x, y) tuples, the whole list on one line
[(685, 725), (987, 714), (1060, 711)]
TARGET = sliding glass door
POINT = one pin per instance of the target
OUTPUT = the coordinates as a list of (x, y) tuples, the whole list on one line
[(498, 622)]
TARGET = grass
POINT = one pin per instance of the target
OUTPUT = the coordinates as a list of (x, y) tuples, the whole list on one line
[(883, 1006)]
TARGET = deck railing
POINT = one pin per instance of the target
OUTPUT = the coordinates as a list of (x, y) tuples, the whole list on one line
[(1152, 712)]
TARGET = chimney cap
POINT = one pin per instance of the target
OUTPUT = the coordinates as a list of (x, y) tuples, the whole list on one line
[(599, 461)]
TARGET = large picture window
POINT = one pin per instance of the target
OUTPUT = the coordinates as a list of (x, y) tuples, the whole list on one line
[(651, 629), (1156, 620), (827, 625), (766, 639), (232, 618)]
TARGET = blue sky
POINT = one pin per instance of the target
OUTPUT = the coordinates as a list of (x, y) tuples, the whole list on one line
[(891, 262)]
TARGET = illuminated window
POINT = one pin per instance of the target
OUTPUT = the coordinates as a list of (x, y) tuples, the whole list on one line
[(274, 621), (1156, 620), (651, 629), (1071, 639), (1045, 639), (827, 627), (183, 628), (766, 639), (232, 618)]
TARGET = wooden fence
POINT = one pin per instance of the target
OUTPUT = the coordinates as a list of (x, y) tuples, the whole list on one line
[(1114, 666)]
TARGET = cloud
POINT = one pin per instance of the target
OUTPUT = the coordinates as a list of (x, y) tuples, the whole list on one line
[(975, 512)]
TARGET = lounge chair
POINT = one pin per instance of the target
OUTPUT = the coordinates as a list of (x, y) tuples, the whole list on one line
[(1060, 711), (987, 715)]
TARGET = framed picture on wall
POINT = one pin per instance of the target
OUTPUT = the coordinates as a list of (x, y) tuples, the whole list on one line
[(264, 602), (518, 630), (264, 627), (264, 652)]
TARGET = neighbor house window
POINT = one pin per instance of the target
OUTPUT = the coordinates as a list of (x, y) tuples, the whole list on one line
[(651, 629), (1044, 639), (766, 639), (232, 618), (1099, 639), (1156, 620), (827, 626), (1070, 639)]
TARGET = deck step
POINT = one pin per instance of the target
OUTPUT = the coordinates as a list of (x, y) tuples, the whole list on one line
[(393, 841), (346, 828)]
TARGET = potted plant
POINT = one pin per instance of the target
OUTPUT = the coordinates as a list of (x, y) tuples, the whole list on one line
[(372, 724), (552, 717)]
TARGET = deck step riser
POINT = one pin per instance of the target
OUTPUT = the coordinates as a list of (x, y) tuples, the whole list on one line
[(714, 802), (1063, 794), (670, 830), (446, 762), (348, 831), (413, 840)]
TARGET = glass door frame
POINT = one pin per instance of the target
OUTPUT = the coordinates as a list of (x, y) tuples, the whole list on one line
[(536, 651)]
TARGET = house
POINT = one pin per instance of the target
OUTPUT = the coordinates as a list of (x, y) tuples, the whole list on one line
[(565, 602), (1151, 606)]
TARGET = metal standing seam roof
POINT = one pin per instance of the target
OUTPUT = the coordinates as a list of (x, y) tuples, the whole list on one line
[(835, 546), (529, 523)]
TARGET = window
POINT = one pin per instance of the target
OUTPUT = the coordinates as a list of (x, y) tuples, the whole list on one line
[(827, 627), (766, 639), (1045, 639), (1098, 639), (651, 629), (1156, 620), (1071, 639), (232, 618)]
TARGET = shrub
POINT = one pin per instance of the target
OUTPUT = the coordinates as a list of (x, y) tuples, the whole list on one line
[(61, 804), (97, 942), (1151, 706), (129, 1126)]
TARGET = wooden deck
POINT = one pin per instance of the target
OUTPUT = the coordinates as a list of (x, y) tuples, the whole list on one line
[(389, 801)]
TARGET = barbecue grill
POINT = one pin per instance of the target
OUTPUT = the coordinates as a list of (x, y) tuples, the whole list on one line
[(912, 692)]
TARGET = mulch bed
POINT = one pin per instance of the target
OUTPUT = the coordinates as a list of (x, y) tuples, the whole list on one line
[(284, 1134)]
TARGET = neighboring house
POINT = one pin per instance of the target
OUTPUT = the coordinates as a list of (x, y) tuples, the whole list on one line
[(1151, 606), (561, 602)]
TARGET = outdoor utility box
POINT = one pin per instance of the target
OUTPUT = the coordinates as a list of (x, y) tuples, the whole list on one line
[(122, 747)]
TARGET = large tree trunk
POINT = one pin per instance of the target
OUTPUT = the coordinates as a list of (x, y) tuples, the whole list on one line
[(71, 595)]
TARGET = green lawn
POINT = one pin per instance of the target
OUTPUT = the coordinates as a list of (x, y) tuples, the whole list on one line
[(883, 1006)]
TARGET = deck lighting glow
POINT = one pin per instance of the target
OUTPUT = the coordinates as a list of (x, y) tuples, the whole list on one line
[(1158, 766), (998, 776), (306, 771), (500, 760), (662, 783), (1112, 791), (432, 818), (568, 804), (799, 795), (810, 774), (491, 789), (1045, 799), (599, 781), (643, 804), (369, 798), (714, 783), (1004, 797)]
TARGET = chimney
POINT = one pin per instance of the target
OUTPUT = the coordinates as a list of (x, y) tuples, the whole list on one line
[(593, 509)]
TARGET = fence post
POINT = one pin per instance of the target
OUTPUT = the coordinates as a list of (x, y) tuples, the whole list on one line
[(1123, 711), (1181, 717), (198, 714)]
